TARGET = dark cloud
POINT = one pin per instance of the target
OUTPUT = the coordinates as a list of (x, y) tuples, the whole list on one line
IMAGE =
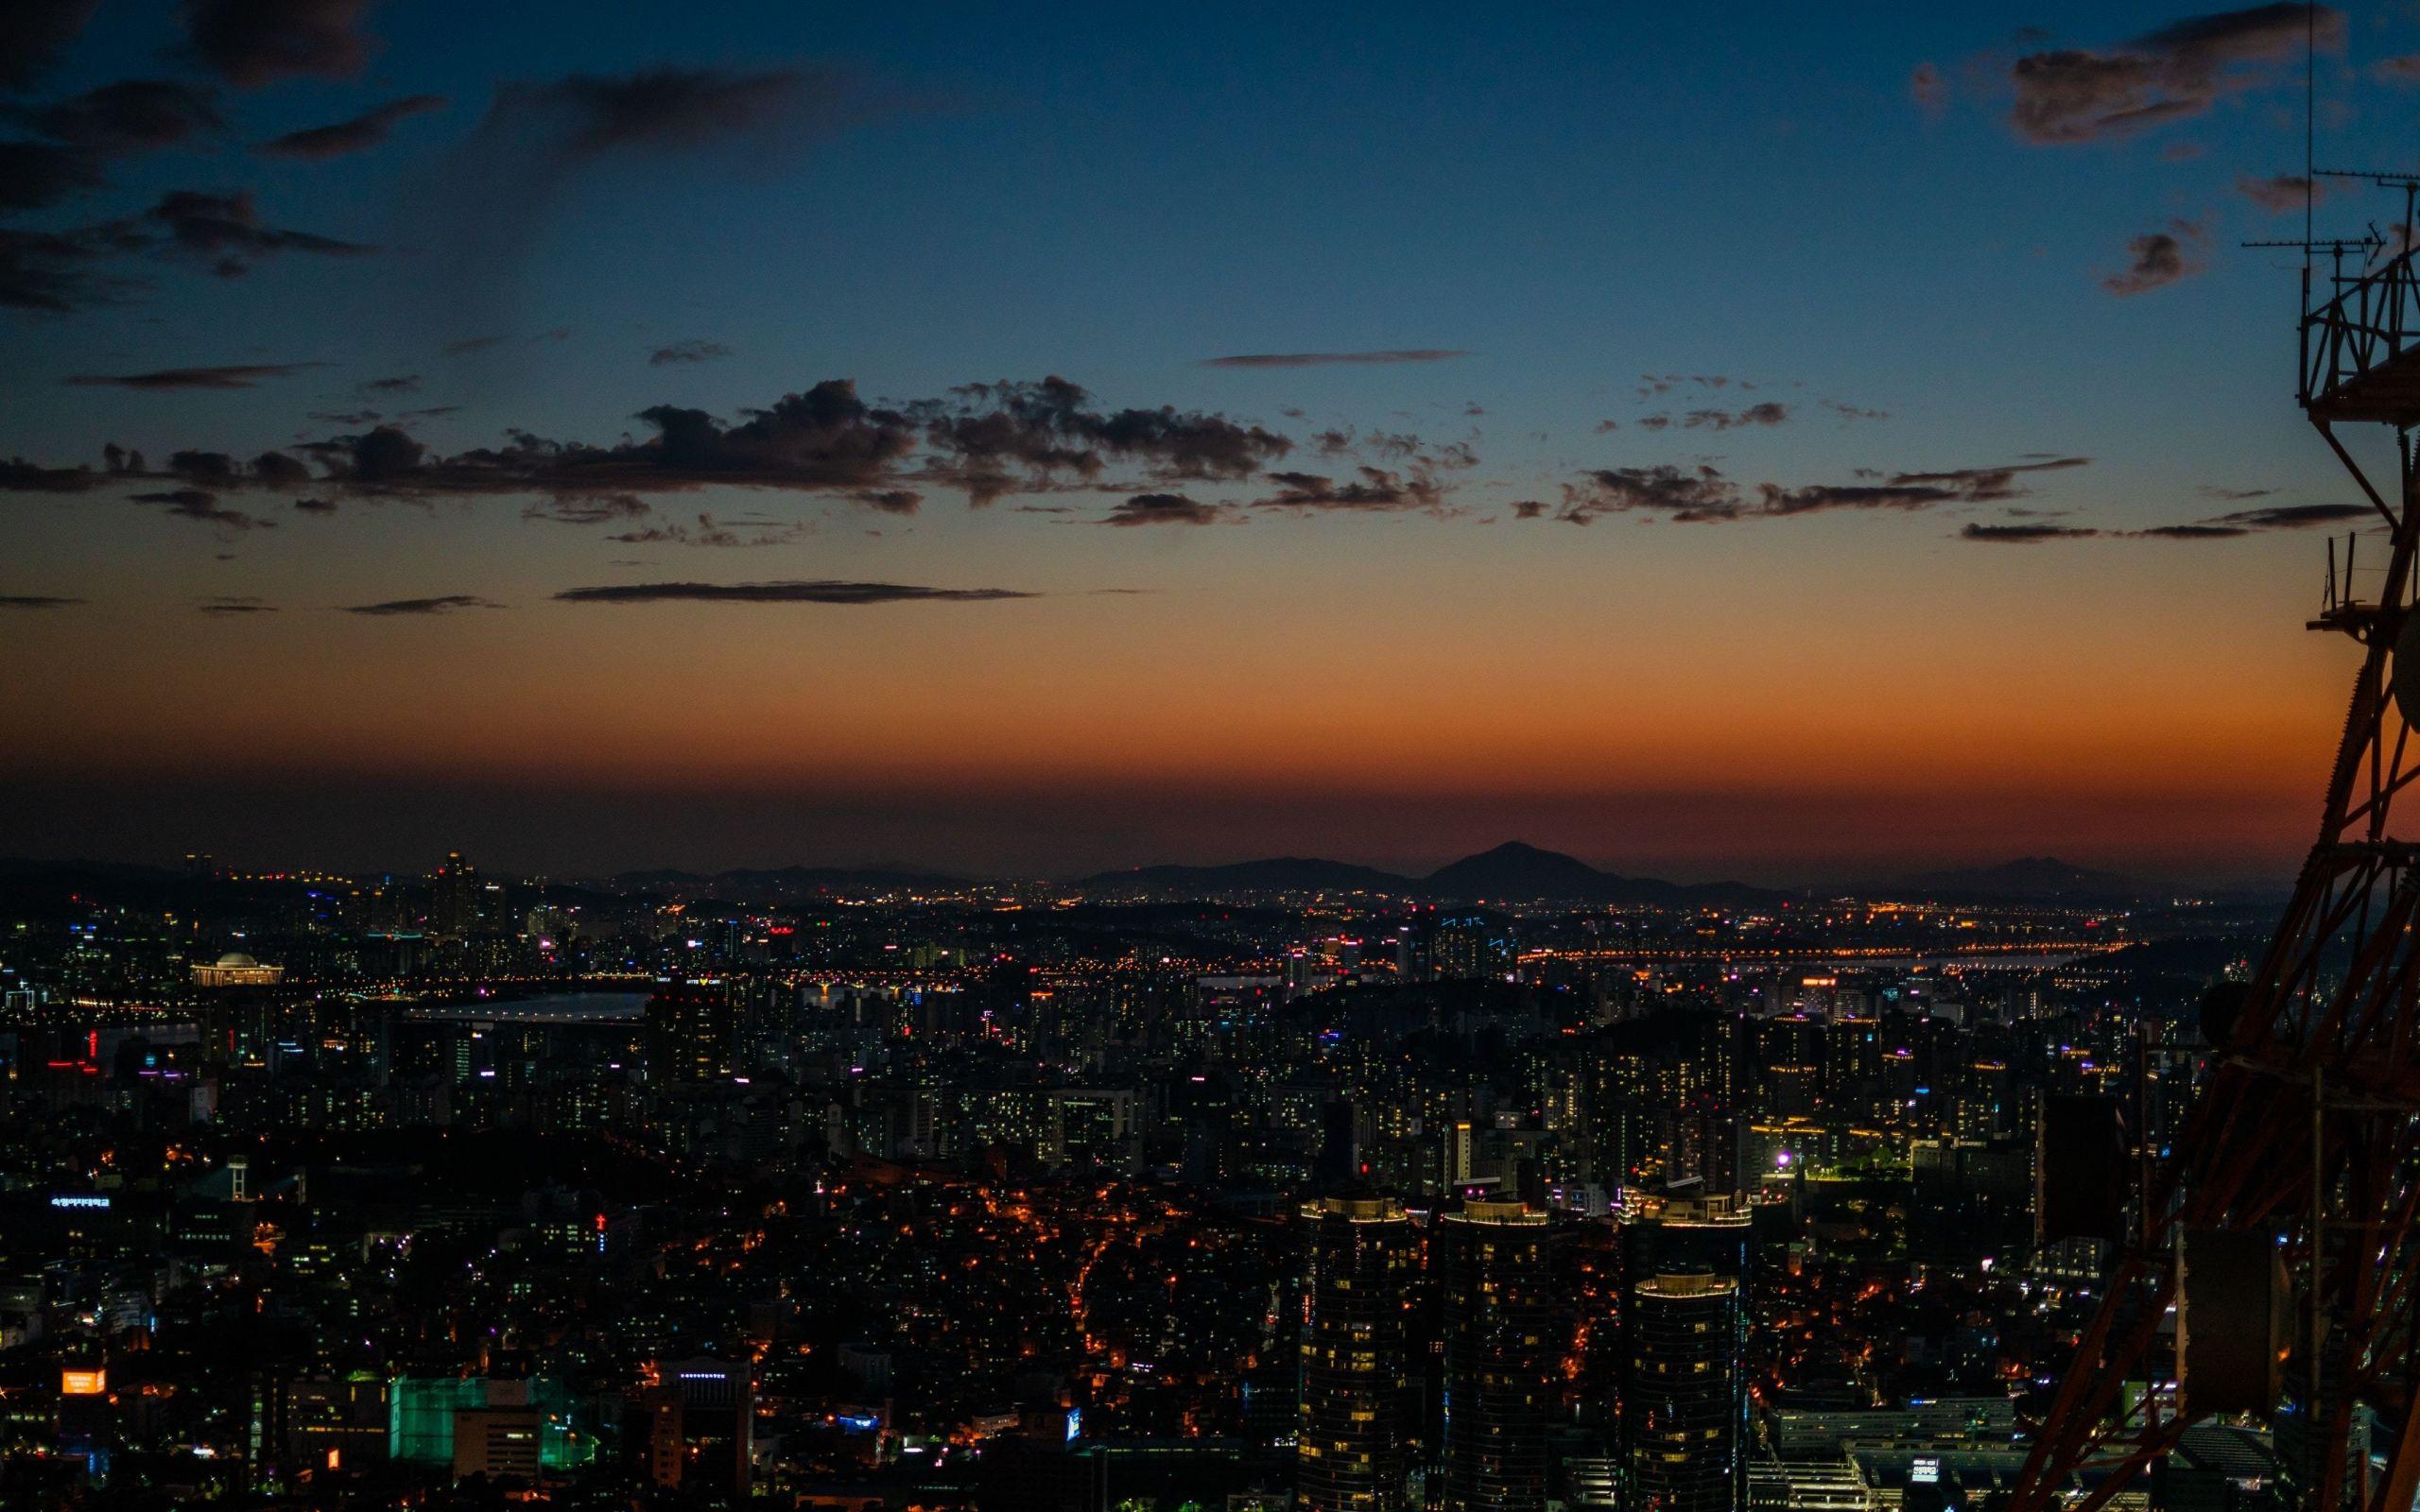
[(1704, 496), (1370, 490), (1164, 509), (708, 531), (236, 376), (986, 438), (408, 383), (539, 138), (2281, 193), (823, 437), (2215, 490), (820, 592), (2224, 527), (446, 604), (17, 475), (1701, 495), (1322, 359), (37, 174), (680, 352), (469, 344), (1767, 413), (343, 138), (275, 470), (36, 601), (1853, 411), (210, 469), (316, 505), (2157, 259), (589, 510), (585, 117), (1987, 483), (34, 32), (1051, 428), (226, 603), (132, 115), (2404, 69), (1815, 498), (2026, 535), (2294, 516), (225, 231), (202, 505), (2074, 95), (57, 272), (346, 417), (250, 43)]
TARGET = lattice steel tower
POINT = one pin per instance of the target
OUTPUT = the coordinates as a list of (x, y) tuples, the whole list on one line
[(2304, 1143)]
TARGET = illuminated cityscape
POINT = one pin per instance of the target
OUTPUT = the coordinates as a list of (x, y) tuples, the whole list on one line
[(1209, 758), (1074, 1197)]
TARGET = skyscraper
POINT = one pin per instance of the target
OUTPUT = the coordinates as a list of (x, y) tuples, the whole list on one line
[(1355, 1411), (691, 1032), (1685, 1379), (1499, 1309)]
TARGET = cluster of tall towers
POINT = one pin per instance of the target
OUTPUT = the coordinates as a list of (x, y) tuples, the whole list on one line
[(1474, 1294)]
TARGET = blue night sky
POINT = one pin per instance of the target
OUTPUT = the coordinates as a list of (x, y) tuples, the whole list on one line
[(1918, 243)]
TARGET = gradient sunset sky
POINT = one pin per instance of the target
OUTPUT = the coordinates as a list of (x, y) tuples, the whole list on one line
[(1780, 441)]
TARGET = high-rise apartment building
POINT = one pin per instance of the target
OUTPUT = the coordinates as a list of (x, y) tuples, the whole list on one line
[(692, 1032), (1685, 1379), (1357, 1407), (1499, 1354)]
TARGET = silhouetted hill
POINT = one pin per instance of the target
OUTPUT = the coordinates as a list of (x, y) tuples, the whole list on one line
[(1514, 870), (1517, 871), (2032, 879)]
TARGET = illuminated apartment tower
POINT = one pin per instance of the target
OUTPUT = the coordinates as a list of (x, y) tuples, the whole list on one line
[(1356, 1406), (1499, 1353), (1685, 1379), (692, 1033)]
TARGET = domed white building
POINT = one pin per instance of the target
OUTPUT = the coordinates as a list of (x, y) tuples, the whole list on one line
[(235, 969)]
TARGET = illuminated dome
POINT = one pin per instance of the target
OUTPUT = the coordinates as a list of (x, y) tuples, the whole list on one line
[(235, 969)]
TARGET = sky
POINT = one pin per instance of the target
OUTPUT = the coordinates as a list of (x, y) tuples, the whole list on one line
[(1775, 441)]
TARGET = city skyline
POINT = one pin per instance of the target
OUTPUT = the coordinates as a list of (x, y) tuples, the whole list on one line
[(1756, 444)]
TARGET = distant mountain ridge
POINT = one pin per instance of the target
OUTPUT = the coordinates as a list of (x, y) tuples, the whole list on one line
[(745, 882), (1277, 874), (2029, 879), (1514, 871)]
